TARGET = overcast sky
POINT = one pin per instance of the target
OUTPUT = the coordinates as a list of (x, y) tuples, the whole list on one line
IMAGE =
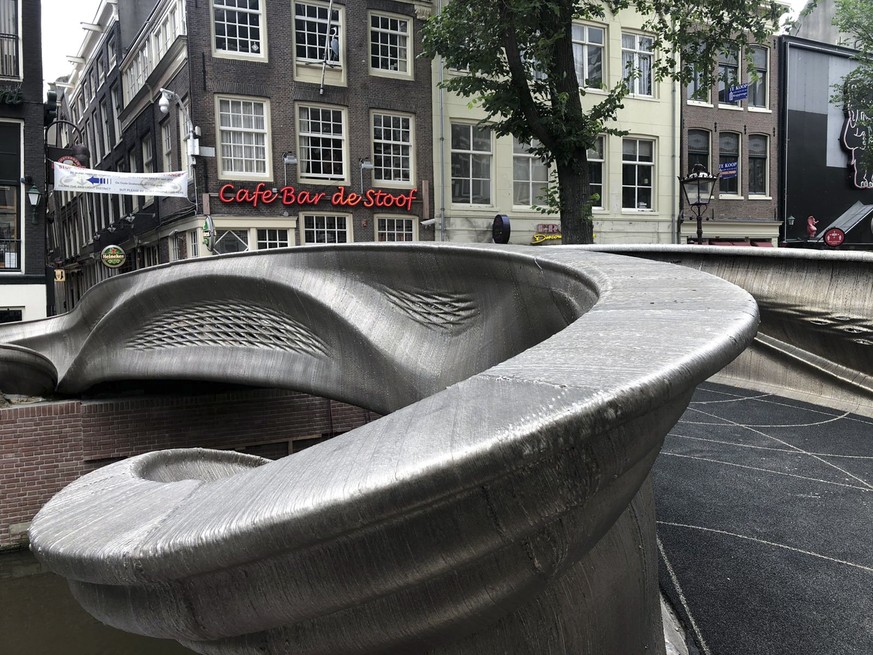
[(62, 33)]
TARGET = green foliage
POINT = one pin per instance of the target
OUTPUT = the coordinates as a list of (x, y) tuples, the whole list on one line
[(515, 59)]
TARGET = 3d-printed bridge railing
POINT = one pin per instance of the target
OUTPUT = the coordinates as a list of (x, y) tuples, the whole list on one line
[(502, 506)]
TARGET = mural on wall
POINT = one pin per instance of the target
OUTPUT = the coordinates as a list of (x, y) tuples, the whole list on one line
[(822, 145), (855, 137)]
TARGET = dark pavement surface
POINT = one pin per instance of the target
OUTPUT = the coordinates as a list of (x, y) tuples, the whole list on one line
[(765, 525)]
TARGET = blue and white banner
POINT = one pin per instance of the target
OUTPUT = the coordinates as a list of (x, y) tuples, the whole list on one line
[(89, 180)]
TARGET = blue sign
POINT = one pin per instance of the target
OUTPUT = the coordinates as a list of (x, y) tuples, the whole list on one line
[(738, 92), (728, 169)]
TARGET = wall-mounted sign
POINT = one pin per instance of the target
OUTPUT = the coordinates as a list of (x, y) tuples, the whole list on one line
[(11, 95), (856, 133), (500, 229), (69, 160), (834, 237), (539, 238), (738, 92), (89, 180), (60, 275), (289, 195), (548, 228), (209, 233), (113, 256), (727, 169)]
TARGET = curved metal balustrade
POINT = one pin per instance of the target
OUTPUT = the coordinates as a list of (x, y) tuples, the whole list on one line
[(501, 505), (815, 341)]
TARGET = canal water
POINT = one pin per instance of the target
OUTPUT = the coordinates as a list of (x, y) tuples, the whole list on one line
[(38, 616)]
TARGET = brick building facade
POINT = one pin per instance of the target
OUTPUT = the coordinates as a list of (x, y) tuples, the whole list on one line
[(45, 446)]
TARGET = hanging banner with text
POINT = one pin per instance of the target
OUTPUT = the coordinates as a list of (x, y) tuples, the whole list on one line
[(89, 180)]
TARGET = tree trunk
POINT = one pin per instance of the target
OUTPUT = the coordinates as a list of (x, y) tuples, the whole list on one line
[(575, 203)]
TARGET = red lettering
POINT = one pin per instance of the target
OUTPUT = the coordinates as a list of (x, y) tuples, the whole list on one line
[(409, 198), (221, 196), (269, 196), (339, 196), (309, 198), (243, 195), (288, 197)]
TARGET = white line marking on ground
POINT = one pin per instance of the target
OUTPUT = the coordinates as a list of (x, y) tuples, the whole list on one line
[(675, 580), (767, 543), (777, 450), (763, 470)]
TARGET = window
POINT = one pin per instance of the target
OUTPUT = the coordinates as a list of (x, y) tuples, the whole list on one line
[(148, 156), (698, 149), (588, 55), (530, 176), (636, 61), (228, 241), (637, 173), (9, 43), (395, 229), (389, 44), (699, 88), (728, 158), (321, 131), (595, 173), (238, 26), (392, 148), (9, 222), (272, 239), (101, 72), (728, 75), (193, 244), (132, 167), (471, 164), (107, 118), (166, 146), (758, 165), (110, 53), (319, 228), (312, 27), (116, 111), (758, 86), (243, 131)]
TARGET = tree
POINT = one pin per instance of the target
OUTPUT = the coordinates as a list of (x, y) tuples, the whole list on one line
[(515, 58)]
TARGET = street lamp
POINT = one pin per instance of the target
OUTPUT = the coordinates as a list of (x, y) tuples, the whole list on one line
[(697, 189), (34, 195), (366, 165), (193, 132)]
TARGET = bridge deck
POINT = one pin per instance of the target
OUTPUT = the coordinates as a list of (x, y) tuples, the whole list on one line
[(764, 509)]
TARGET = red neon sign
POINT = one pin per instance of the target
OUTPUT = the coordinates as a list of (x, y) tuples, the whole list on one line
[(288, 195)]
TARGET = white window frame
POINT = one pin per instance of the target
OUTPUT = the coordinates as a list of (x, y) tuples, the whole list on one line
[(739, 157), (193, 243), (582, 45), (724, 65), (386, 150), (766, 159), (306, 146), (271, 241), (167, 146), (470, 153), (765, 79), (382, 33), (522, 158), (313, 231), (595, 157), (636, 55), (117, 106), (232, 235), (386, 226), (311, 64), (232, 130), (638, 166), (261, 54)]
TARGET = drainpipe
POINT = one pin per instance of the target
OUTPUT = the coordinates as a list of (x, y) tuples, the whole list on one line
[(442, 113)]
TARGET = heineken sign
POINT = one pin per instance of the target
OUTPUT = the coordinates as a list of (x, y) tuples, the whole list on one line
[(113, 256)]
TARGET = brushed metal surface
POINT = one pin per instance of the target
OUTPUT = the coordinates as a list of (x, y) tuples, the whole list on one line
[(815, 341), (501, 505)]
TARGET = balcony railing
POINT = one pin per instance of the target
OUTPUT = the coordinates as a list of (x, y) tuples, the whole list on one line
[(10, 254), (9, 55)]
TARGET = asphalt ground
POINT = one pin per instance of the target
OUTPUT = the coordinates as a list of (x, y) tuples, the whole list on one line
[(765, 525)]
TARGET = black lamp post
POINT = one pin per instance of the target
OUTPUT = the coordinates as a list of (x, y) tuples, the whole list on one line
[(698, 188), (34, 195)]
